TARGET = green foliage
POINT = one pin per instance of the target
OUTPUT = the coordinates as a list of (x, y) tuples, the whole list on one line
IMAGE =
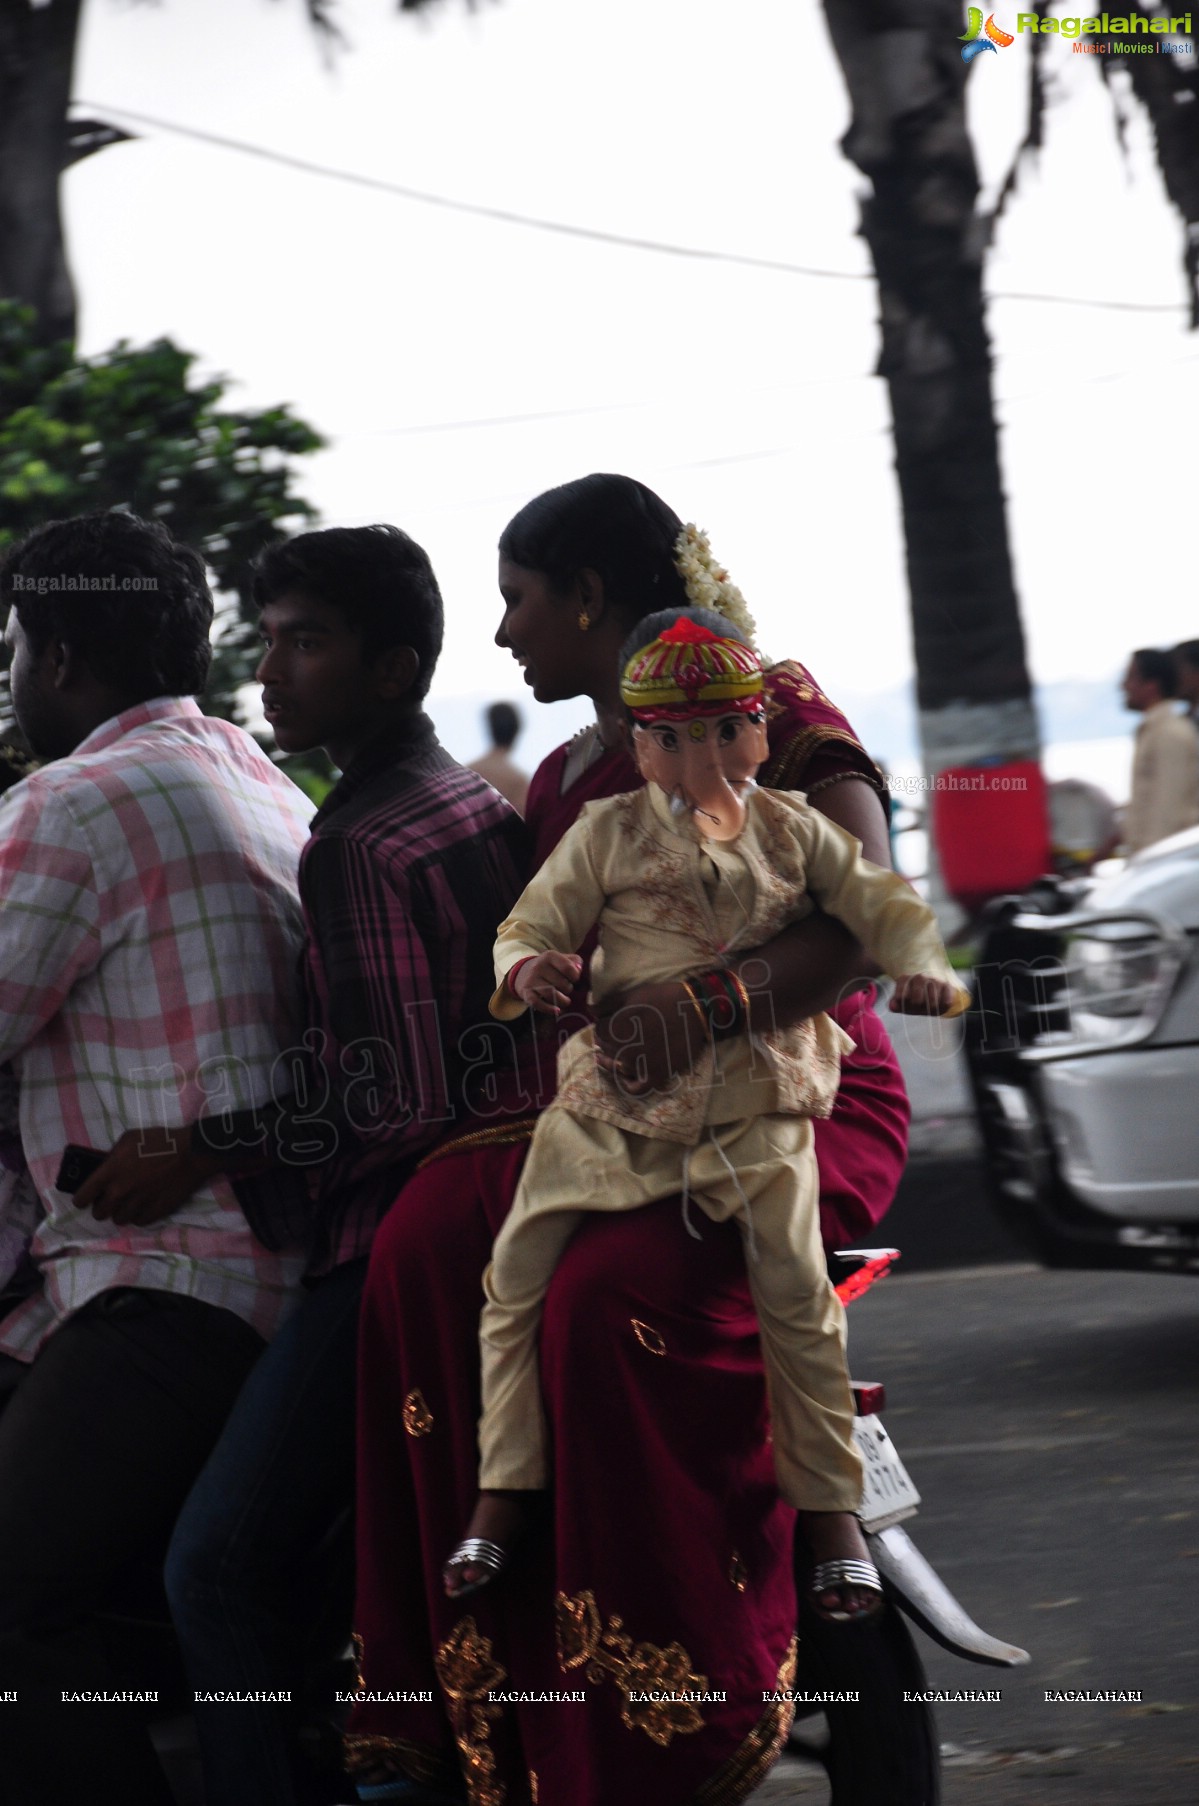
[(312, 772), (131, 429)]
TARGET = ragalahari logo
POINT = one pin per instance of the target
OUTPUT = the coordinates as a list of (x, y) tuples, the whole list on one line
[(1113, 35), (972, 40)]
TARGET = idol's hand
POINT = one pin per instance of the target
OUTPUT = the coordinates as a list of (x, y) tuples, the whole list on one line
[(920, 995), (546, 981), (647, 1036)]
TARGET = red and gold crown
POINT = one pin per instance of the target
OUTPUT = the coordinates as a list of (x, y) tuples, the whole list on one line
[(689, 670)]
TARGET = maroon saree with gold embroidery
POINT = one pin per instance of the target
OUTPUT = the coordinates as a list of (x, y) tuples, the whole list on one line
[(629, 1652)]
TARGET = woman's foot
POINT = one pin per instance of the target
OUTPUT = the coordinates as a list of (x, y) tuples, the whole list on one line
[(408, 1793), (844, 1586), (384, 1784), (496, 1523)]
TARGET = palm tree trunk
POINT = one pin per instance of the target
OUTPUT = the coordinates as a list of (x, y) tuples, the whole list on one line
[(1169, 92), (37, 51), (908, 135)]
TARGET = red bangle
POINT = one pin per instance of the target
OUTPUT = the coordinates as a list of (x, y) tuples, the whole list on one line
[(511, 974), (724, 1001)]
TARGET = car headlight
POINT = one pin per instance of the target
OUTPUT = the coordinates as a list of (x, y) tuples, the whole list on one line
[(1115, 975), (1119, 971)]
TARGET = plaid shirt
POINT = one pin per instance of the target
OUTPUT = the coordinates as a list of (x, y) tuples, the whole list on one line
[(413, 861), (148, 934)]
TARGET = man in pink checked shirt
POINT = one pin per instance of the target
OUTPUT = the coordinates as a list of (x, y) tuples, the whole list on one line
[(149, 929)]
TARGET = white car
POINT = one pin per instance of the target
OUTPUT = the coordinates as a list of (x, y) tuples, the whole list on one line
[(1083, 1047)]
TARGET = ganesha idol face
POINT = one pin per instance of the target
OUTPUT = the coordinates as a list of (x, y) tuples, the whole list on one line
[(705, 763)]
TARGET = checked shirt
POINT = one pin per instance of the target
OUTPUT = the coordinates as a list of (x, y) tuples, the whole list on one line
[(149, 931), (413, 861)]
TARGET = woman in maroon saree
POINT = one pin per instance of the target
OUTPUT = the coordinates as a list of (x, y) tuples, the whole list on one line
[(630, 1649)]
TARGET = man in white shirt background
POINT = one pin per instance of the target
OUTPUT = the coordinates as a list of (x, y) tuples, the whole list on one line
[(1165, 761), (1186, 670)]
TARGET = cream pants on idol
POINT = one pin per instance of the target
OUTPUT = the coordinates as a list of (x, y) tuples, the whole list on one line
[(760, 1171)]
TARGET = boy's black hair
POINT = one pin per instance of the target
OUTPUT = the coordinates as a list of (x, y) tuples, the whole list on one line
[(129, 600), (377, 577)]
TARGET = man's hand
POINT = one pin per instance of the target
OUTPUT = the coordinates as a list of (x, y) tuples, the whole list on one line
[(647, 1037), (148, 1174), (546, 981), (919, 995)]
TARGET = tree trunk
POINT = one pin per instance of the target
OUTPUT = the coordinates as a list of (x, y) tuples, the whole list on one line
[(906, 82), (37, 50), (1169, 92)]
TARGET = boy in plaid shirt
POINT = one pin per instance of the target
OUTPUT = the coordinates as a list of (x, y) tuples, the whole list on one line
[(412, 861)]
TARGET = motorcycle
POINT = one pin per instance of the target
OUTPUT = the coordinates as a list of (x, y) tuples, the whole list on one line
[(855, 1676), (876, 1664)]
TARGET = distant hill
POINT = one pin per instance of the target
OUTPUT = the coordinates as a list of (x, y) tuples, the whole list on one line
[(885, 719)]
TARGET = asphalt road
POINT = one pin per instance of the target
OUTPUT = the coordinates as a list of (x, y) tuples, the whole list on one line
[(1049, 1421)]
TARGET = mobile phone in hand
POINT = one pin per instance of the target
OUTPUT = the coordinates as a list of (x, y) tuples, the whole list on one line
[(78, 1164)]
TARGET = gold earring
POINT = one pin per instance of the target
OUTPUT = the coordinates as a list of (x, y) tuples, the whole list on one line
[(584, 620)]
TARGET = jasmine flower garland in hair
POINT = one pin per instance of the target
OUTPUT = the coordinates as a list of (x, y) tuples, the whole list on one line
[(707, 583)]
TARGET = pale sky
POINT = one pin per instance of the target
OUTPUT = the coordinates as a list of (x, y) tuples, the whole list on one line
[(412, 336)]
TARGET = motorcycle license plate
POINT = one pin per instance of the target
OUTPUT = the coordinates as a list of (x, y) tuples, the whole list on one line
[(887, 1490)]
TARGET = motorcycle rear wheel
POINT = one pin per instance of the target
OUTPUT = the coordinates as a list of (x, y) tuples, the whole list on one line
[(881, 1750)]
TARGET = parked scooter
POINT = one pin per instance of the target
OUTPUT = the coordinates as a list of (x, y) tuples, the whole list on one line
[(878, 1748)]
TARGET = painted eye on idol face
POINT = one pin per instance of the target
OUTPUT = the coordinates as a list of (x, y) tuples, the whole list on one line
[(725, 732)]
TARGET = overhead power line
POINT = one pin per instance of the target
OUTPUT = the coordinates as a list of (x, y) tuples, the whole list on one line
[(568, 229), (505, 215)]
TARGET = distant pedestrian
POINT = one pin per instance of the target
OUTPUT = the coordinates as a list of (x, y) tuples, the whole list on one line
[(1186, 670), (497, 765), (1165, 762)]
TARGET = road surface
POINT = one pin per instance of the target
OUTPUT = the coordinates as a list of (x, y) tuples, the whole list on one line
[(1049, 1420)]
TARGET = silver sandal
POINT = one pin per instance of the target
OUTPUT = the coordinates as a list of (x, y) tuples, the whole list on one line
[(828, 1576), (477, 1552)]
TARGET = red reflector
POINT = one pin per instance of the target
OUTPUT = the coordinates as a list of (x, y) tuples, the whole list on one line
[(869, 1396), (877, 1266)]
